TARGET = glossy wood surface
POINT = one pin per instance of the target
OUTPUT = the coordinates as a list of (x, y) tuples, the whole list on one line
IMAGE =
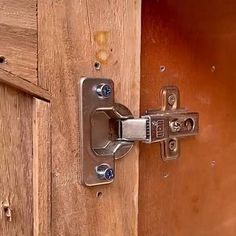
[(191, 44)]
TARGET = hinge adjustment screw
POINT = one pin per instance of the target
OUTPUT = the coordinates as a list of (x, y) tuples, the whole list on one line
[(172, 145), (171, 99)]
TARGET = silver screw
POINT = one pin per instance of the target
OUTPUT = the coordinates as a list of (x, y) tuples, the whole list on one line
[(172, 145), (175, 126), (104, 90), (171, 99), (105, 172)]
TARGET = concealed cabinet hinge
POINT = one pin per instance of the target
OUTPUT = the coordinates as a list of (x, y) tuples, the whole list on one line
[(108, 129)]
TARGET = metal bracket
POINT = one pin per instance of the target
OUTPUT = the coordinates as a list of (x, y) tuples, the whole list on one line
[(171, 123), (99, 143), (108, 129)]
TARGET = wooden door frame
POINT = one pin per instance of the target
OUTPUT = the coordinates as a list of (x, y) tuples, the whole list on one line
[(73, 38)]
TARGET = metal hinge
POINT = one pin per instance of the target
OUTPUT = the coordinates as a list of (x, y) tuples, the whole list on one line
[(108, 129)]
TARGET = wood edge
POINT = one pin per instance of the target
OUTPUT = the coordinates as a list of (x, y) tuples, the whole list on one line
[(23, 85), (138, 75), (41, 168)]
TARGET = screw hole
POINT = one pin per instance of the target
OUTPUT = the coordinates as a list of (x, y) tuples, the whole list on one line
[(213, 163), (99, 194), (189, 124), (162, 68), (165, 175), (2, 59), (97, 65), (173, 145)]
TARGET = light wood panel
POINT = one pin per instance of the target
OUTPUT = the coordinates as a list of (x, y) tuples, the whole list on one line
[(25, 171), (195, 42), (41, 168), (16, 162), (78, 34), (18, 41)]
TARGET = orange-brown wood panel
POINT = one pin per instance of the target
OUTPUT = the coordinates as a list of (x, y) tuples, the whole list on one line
[(190, 44)]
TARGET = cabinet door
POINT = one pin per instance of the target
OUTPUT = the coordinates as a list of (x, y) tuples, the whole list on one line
[(25, 163), (25, 170), (190, 44)]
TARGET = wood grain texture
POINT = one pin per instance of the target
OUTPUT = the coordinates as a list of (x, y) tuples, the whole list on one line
[(79, 33), (41, 168), (18, 41), (195, 41), (24, 85), (16, 162), (20, 13)]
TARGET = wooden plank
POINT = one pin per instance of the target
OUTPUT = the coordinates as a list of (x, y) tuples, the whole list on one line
[(78, 34), (18, 41), (41, 168), (24, 85), (20, 13), (45, 33), (16, 163), (195, 42)]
